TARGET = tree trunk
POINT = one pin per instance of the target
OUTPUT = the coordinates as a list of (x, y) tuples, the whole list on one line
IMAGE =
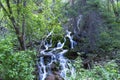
[(16, 26)]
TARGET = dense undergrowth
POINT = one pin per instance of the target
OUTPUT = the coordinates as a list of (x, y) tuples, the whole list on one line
[(107, 70), (35, 19), (20, 65), (15, 65)]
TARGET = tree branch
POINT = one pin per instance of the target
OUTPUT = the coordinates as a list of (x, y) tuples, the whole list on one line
[(3, 8), (8, 5), (23, 26)]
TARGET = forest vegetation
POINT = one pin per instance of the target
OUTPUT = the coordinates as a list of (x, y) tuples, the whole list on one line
[(94, 24)]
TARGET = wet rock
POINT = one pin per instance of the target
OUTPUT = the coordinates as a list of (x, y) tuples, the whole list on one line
[(1, 79), (55, 66), (71, 54), (54, 77)]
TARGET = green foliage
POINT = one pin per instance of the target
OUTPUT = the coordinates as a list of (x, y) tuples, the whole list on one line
[(39, 23), (43, 16), (109, 40), (15, 65), (107, 71), (110, 71), (93, 4), (39, 18), (106, 42)]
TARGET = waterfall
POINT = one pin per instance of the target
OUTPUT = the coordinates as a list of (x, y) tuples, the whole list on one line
[(52, 61)]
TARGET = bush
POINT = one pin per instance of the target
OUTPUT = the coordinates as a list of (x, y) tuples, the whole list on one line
[(108, 71), (15, 65)]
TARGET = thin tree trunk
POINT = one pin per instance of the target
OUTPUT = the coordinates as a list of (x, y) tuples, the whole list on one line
[(23, 32), (15, 24)]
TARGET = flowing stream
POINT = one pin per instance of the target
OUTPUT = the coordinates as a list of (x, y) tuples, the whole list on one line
[(52, 60)]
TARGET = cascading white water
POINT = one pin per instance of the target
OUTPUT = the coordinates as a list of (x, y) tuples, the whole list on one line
[(71, 39), (50, 56)]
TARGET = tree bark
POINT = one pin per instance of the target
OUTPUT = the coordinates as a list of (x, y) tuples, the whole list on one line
[(16, 26)]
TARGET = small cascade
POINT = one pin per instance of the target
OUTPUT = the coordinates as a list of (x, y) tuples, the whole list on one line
[(71, 39), (52, 62), (79, 20)]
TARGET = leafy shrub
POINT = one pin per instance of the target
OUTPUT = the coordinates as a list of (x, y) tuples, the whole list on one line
[(15, 65), (109, 71), (109, 40)]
